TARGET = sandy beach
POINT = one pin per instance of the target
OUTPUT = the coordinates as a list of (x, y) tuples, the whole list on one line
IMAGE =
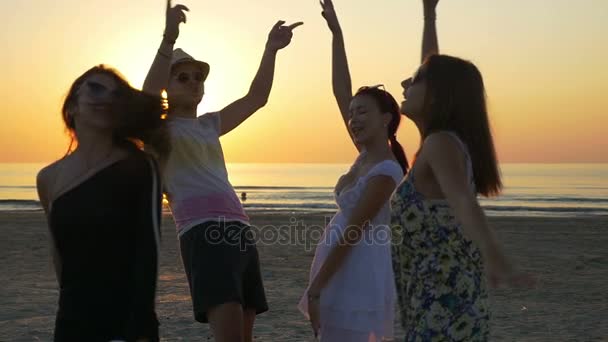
[(569, 255)]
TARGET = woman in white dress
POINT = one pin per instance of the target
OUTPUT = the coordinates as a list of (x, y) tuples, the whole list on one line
[(351, 295)]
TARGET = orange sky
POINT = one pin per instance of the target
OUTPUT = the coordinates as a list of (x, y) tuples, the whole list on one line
[(543, 64)]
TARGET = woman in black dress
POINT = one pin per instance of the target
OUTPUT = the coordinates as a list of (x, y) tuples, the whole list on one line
[(103, 205)]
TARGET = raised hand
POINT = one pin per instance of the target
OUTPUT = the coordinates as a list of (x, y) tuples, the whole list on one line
[(280, 35), (430, 43), (173, 17), (429, 7), (504, 275), (430, 4), (329, 13), (314, 311)]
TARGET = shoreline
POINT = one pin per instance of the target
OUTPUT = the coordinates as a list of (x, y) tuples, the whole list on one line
[(312, 212)]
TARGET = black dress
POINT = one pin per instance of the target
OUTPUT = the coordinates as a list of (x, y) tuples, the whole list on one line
[(106, 231)]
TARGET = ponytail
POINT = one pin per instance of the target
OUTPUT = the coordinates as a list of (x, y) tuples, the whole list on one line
[(399, 154)]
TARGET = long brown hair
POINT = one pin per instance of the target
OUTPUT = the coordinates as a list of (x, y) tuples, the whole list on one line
[(141, 119), (456, 101), (387, 104)]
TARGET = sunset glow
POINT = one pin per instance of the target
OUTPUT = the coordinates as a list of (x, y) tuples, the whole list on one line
[(544, 69)]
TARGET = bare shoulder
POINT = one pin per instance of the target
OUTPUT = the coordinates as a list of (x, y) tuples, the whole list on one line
[(440, 145), (48, 173), (44, 180), (439, 139)]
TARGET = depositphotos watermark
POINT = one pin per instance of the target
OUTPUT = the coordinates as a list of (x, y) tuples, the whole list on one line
[(295, 233)]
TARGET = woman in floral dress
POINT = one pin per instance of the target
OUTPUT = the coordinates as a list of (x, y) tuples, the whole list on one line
[(443, 250)]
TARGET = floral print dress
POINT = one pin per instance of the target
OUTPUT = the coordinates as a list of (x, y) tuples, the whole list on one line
[(438, 271)]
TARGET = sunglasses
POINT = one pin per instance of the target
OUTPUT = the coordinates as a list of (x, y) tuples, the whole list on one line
[(184, 77), (377, 86), (98, 90), (419, 76), (385, 94)]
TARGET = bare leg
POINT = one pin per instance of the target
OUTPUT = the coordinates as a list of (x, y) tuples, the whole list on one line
[(224, 320), (248, 318)]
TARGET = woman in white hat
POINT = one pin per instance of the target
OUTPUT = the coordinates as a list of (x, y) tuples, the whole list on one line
[(220, 259)]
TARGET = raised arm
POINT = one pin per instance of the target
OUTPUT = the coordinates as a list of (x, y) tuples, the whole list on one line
[(430, 45), (257, 97), (341, 82), (158, 75)]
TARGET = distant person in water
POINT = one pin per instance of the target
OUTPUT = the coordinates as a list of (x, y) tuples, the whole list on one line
[(351, 295), (446, 249), (103, 206), (244, 196), (223, 272)]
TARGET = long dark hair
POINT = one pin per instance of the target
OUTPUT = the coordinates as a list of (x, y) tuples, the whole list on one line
[(456, 101), (141, 116), (387, 104)]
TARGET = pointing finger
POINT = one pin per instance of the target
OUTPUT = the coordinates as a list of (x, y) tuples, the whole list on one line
[(294, 25)]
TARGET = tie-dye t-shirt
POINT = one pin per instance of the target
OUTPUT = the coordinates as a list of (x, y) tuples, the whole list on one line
[(195, 179)]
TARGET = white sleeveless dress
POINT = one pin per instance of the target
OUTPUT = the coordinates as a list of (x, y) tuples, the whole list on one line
[(358, 303)]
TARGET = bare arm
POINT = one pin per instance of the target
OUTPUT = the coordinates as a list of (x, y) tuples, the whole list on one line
[(157, 78), (341, 81), (43, 181), (376, 193), (446, 161), (430, 45), (240, 110), (257, 97)]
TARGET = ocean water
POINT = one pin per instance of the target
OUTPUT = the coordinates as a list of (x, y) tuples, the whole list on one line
[(553, 190)]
